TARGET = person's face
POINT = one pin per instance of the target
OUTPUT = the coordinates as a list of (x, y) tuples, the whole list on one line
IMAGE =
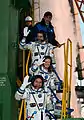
[(29, 23), (47, 63), (40, 36), (37, 83), (47, 19)]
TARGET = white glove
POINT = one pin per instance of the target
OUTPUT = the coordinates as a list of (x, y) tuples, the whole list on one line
[(39, 62), (26, 31), (25, 83)]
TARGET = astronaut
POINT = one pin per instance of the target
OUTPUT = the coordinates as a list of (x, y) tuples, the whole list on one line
[(44, 68), (40, 48), (36, 98)]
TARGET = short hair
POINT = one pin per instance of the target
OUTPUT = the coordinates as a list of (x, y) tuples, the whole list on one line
[(43, 33), (47, 14)]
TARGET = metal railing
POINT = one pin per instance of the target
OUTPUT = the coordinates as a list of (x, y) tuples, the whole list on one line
[(23, 103), (67, 80)]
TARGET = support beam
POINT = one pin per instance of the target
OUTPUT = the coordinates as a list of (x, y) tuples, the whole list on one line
[(80, 6)]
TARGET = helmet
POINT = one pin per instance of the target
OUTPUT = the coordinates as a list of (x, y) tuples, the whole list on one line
[(28, 18)]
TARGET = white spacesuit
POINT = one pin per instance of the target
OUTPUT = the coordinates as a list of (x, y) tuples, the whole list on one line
[(36, 101), (49, 77), (39, 50)]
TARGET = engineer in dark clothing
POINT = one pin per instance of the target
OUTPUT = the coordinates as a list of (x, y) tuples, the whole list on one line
[(46, 26), (27, 31)]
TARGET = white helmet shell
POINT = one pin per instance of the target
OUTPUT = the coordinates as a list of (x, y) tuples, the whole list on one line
[(28, 18)]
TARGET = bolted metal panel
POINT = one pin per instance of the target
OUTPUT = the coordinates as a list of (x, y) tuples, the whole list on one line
[(8, 59), (8, 56), (12, 56), (12, 41), (19, 4), (5, 99)]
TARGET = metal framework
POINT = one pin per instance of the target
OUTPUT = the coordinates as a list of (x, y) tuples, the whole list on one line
[(80, 6), (67, 79)]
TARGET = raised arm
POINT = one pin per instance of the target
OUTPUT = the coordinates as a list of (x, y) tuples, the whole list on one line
[(21, 93)]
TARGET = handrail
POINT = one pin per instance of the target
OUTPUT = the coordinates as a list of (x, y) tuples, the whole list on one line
[(27, 62), (20, 114), (63, 95), (57, 74), (23, 103), (23, 63), (69, 88), (55, 69), (24, 110), (67, 81)]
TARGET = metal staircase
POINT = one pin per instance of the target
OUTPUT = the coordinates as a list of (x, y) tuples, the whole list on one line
[(62, 108)]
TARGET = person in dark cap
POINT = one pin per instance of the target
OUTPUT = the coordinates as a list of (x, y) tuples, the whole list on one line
[(46, 26)]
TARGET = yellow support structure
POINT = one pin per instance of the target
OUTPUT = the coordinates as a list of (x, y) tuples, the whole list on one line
[(23, 63), (80, 6), (26, 74), (20, 114), (64, 86), (67, 80), (27, 62), (23, 103), (24, 110), (70, 66)]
